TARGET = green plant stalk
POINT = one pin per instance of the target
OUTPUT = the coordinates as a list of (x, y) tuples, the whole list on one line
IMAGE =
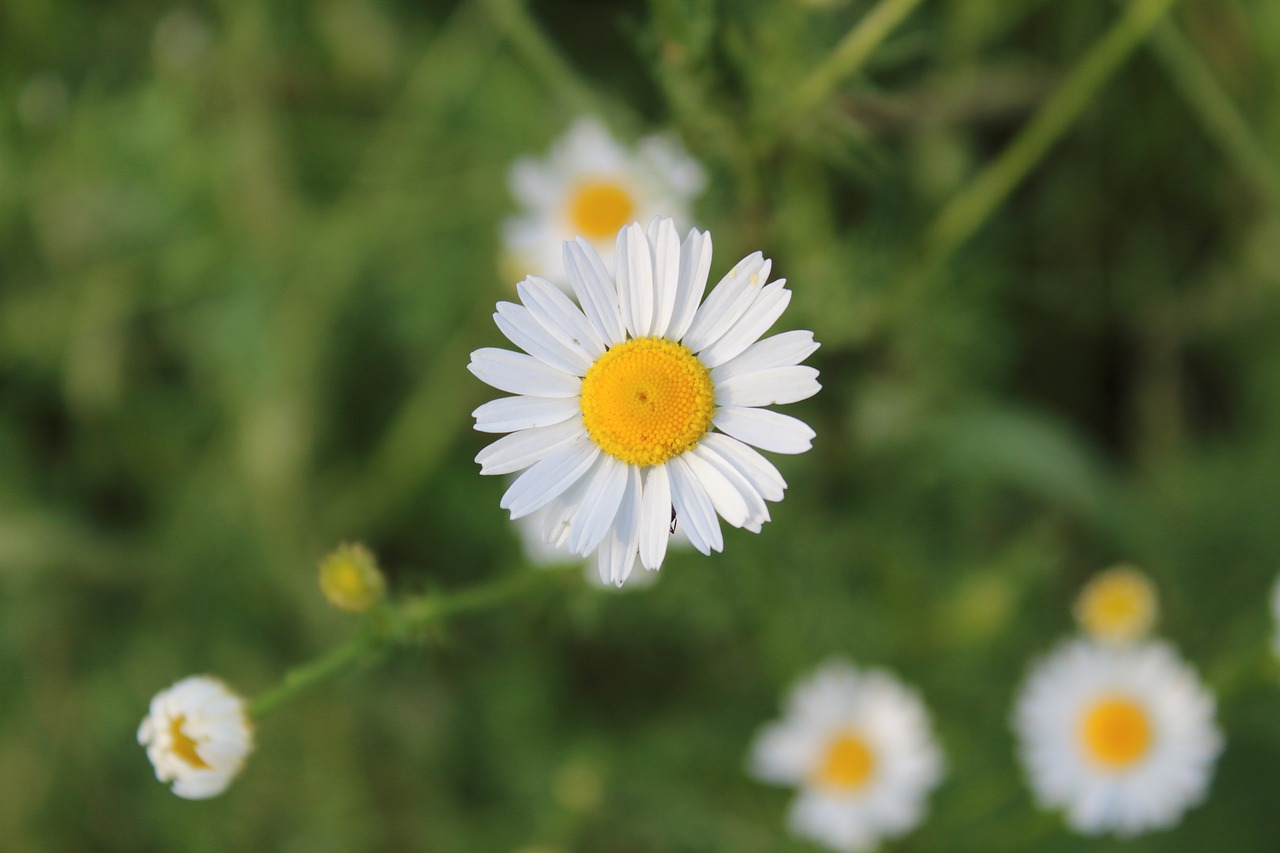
[(1215, 111), (848, 57), (968, 210), (541, 54), (397, 625)]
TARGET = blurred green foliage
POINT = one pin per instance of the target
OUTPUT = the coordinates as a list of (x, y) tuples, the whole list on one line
[(245, 249)]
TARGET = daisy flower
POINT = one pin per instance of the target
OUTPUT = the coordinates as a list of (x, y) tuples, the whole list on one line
[(643, 405), (1122, 737), (1118, 605), (197, 736), (858, 746), (590, 186)]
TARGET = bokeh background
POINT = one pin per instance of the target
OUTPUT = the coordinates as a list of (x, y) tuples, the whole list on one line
[(246, 248)]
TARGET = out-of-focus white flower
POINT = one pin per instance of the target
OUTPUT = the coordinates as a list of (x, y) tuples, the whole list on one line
[(1121, 736), (197, 735), (858, 745), (590, 186), (645, 400), (1117, 606)]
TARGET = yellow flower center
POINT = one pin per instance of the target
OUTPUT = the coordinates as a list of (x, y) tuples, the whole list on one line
[(647, 400), (848, 765), (183, 746), (599, 209), (1116, 733), (1117, 605)]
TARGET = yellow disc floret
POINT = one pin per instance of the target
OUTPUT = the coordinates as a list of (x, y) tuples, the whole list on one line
[(598, 209), (1116, 733), (1118, 605), (184, 746), (848, 764), (647, 400)]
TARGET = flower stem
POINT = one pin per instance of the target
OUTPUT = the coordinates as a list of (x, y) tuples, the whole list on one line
[(399, 625)]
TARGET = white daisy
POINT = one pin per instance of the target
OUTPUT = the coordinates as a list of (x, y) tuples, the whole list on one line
[(643, 402), (1122, 737), (1117, 606), (858, 746), (197, 735), (590, 186)]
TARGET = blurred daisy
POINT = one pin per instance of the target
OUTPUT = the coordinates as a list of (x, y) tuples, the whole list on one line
[(1122, 737), (643, 403), (858, 746), (590, 186), (197, 736), (1118, 605)]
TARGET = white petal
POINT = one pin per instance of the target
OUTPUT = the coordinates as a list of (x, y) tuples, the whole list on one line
[(549, 477), (695, 263), (781, 350), (655, 517), (728, 301), (762, 314), (517, 373), (555, 311), (617, 555), (557, 516), (526, 446), (764, 429), (724, 497), (608, 479), (508, 414), (666, 273), (757, 510), (594, 288), (775, 386), (635, 280), (521, 329), (760, 471), (694, 508)]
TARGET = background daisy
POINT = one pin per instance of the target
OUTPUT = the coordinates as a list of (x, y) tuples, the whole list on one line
[(197, 735), (1121, 737), (589, 186), (1118, 605), (858, 746), (648, 403)]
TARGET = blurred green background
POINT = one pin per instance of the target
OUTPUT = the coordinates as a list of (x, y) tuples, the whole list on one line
[(246, 248)]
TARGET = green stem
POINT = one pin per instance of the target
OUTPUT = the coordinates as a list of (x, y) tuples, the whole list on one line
[(965, 213), (848, 57), (541, 54), (398, 625), (1212, 106)]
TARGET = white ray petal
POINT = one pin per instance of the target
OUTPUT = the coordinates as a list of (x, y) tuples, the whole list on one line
[(517, 373), (775, 386), (635, 280), (764, 429), (694, 508), (728, 301), (666, 273), (553, 310), (781, 350), (594, 288), (558, 515), (521, 329), (617, 554), (757, 319), (695, 263), (655, 517), (524, 447), (508, 414), (757, 510), (762, 473), (549, 477), (724, 497), (608, 479)]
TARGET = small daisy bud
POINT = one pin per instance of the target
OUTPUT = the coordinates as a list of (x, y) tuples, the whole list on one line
[(350, 578), (1117, 606), (197, 736)]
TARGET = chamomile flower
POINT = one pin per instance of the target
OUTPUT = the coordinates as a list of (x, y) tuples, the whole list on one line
[(1117, 606), (645, 400), (197, 736), (1120, 736), (590, 186), (858, 746)]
